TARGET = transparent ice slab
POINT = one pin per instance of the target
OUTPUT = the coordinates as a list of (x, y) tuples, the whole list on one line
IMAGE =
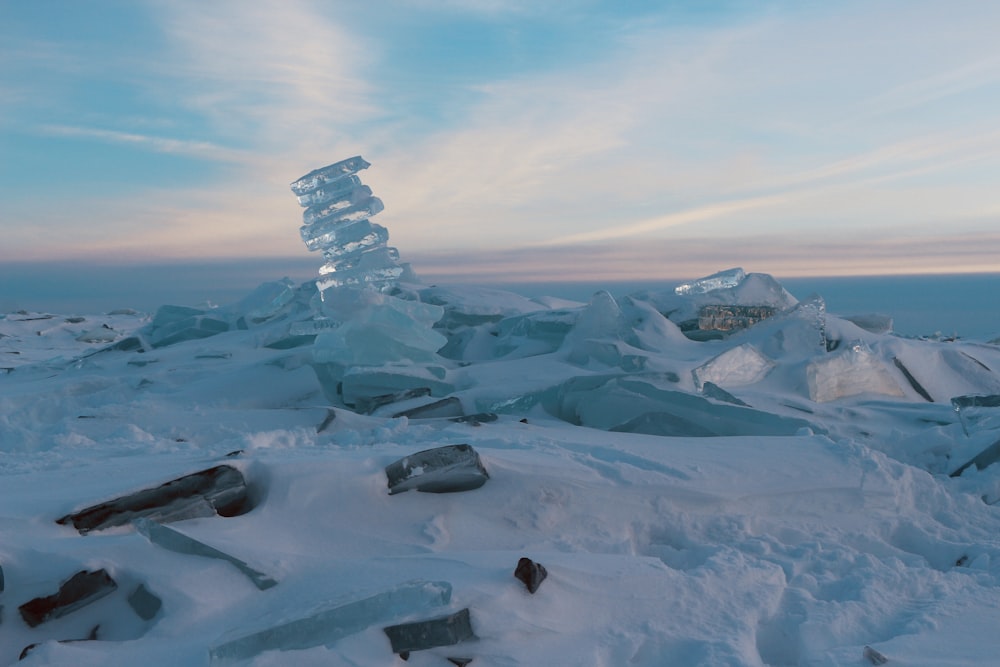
[(338, 620)]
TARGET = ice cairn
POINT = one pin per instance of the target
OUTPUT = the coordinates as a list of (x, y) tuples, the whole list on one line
[(370, 343), (337, 220)]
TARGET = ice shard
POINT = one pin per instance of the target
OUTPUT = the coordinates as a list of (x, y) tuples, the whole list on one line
[(327, 625), (220, 490), (419, 635), (721, 280), (78, 591), (446, 469), (336, 221), (171, 540)]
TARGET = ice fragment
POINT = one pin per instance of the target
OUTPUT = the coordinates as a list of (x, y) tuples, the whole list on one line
[(327, 625), (446, 407), (219, 490), (78, 591), (445, 469), (144, 603), (420, 635), (874, 657), (172, 540), (721, 280), (529, 572)]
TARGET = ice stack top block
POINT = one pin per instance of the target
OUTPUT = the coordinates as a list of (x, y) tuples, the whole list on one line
[(337, 220)]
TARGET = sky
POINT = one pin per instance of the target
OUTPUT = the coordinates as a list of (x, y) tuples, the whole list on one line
[(509, 140)]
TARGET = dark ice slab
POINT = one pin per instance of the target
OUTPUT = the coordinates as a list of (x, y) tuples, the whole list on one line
[(446, 407), (445, 469), (441, 631), (78, 591), (220, 490), (144, 603), (530, 573)]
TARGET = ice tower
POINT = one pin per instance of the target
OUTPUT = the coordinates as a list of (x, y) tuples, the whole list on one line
[(370, 343), (337, 220)]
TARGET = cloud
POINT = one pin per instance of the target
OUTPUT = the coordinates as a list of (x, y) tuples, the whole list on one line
[(280, 75), (197, 149), (813, 254)]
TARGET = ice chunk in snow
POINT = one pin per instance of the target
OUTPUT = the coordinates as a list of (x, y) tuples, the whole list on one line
[(420, 635), (447, 469), (721, 280), (78, 591), (172, 540), (855, 370), (327, 625), (638, 405), (530, 573), (144, 603), (735, 367), (219, 490)]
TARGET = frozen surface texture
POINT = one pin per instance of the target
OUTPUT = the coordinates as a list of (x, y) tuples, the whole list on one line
[(798, 488)]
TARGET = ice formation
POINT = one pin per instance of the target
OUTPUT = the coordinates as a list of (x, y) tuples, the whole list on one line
[(337, 221)]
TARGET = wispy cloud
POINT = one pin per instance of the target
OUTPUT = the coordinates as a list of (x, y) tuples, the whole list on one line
[(197, 149)]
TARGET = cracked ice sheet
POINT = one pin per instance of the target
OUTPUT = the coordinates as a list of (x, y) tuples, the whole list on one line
[(733, 551)]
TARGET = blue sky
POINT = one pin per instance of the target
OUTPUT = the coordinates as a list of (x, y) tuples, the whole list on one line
[(510, 140)]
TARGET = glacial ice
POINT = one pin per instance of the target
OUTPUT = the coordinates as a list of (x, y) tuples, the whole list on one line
[(735, 367), (850, 372), (178, 542), (420, 635), (338, 620), (219, 490), (81, 589), (447, 469), (721, 280), (336, 221)]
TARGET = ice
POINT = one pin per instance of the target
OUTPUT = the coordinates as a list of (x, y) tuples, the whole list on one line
[(219, 490), (78, 591), (738, 366), (643, 405), (447, 469), (977, 412), (530, 573), (337, 222), (420, 635), (175, 324), (344, 618), (178, 542), (267, 301), (444, 408), (721, 280), (144, 603), (982, 460), (324, 176), (850, 372)]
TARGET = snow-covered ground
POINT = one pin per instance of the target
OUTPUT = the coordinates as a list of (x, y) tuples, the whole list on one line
[(781, 495)]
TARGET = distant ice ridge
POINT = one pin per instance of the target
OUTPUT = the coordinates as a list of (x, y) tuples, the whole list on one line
[(337, 221)]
